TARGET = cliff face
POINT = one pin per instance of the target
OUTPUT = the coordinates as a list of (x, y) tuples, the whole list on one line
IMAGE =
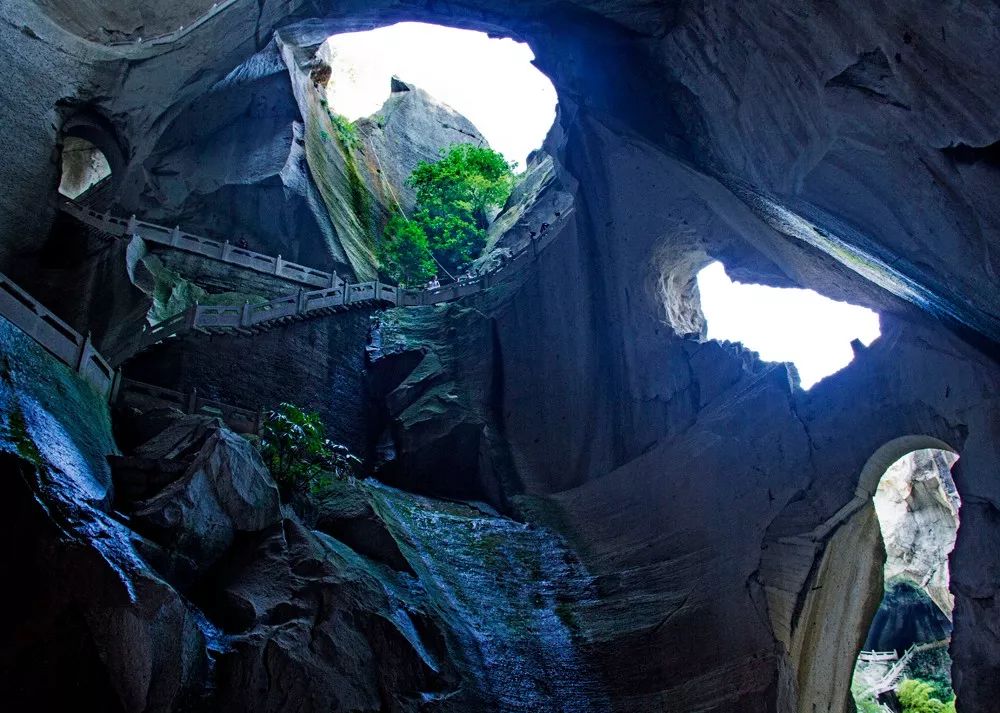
[(917, 508), (720, 547)]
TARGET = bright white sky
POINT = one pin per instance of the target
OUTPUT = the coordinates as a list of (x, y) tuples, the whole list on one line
[(799, 326), (490, 81)]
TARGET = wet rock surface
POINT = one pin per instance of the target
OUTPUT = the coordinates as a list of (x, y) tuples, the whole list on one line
[(723, 515)]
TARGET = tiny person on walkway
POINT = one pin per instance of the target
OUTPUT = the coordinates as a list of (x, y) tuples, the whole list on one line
[(434, 283)]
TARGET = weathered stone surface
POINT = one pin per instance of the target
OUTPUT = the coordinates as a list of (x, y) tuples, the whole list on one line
[(304, 609), (905, 617), (319, 364), (844, 148), (917, 507), (226, 491), (95, 628)]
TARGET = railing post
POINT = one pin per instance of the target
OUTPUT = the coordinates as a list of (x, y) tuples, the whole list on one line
[(277, 265), (300, 301), (193, 318), (245, 314), (84, 354), (333, 279), (175, 236), (116, 385), (133, 226), (225, 251)]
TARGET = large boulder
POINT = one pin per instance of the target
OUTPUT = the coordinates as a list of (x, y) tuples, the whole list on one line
[(225, 491)]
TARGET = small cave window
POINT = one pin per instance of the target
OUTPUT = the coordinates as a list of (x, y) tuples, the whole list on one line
[(83, 167), (782, 324), (490, 81), (905, 657)]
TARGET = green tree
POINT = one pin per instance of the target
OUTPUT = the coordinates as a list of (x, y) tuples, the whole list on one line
[(454, 198), (404, 253), (916, 696), (295, 448)]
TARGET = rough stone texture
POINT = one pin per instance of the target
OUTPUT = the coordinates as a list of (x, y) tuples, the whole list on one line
[(412, 126), (917, 507), (201, 176), (905, 617), (226, 491), (318, 364), (91, 626), (848, 148), (438, 436)]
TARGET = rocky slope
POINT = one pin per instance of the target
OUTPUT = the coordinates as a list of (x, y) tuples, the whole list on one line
[(722, 516)]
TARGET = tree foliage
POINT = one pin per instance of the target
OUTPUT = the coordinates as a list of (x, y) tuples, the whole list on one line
[(455, 196), (300, 457), (916, 696), (404, 252)]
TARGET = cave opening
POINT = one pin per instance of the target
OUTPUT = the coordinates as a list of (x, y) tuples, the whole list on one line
[(489, 80), (905, 664), (83, 166), (784, 324)]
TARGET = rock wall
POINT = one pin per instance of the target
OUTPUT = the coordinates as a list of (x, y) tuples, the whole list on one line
[(318, 364), (917, 507), (850, 149)]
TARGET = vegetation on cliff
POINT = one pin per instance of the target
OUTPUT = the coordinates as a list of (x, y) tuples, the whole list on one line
[(300, 457), (918, 696), (455, 197)]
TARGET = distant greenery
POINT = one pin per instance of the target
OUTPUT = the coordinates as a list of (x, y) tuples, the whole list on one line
[(300, 457), (404, 252), (454, 198), (347, 132), (918, 696), (933, 667)]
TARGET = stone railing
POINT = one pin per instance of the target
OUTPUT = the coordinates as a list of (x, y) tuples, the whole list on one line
[(293, 272), (213, 249), (891, 678), (139, 394), (62, 341), (179, 33), (252, 318), (334, 294), (878, 656)]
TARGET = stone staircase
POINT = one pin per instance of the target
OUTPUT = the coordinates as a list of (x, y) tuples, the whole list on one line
[(332, 296), (249, 319), (891, 679)]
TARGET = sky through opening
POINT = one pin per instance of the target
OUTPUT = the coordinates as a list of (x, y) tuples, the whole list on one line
[(490, 81), (800, 326)]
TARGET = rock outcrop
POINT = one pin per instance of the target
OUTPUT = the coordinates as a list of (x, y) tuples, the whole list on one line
[(917, 507), (719, 549)]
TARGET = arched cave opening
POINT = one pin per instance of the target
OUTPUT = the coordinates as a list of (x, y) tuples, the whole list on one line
[(800, 326), (411, 96), (905, 659), (491, 81), (83, 166)]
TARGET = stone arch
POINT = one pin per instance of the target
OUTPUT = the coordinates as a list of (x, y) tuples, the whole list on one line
[(94, 129), (839, 565), (889, 453)]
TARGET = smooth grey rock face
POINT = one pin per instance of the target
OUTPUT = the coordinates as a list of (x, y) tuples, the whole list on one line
[(412, 126), (848, 148), (918, 511)]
